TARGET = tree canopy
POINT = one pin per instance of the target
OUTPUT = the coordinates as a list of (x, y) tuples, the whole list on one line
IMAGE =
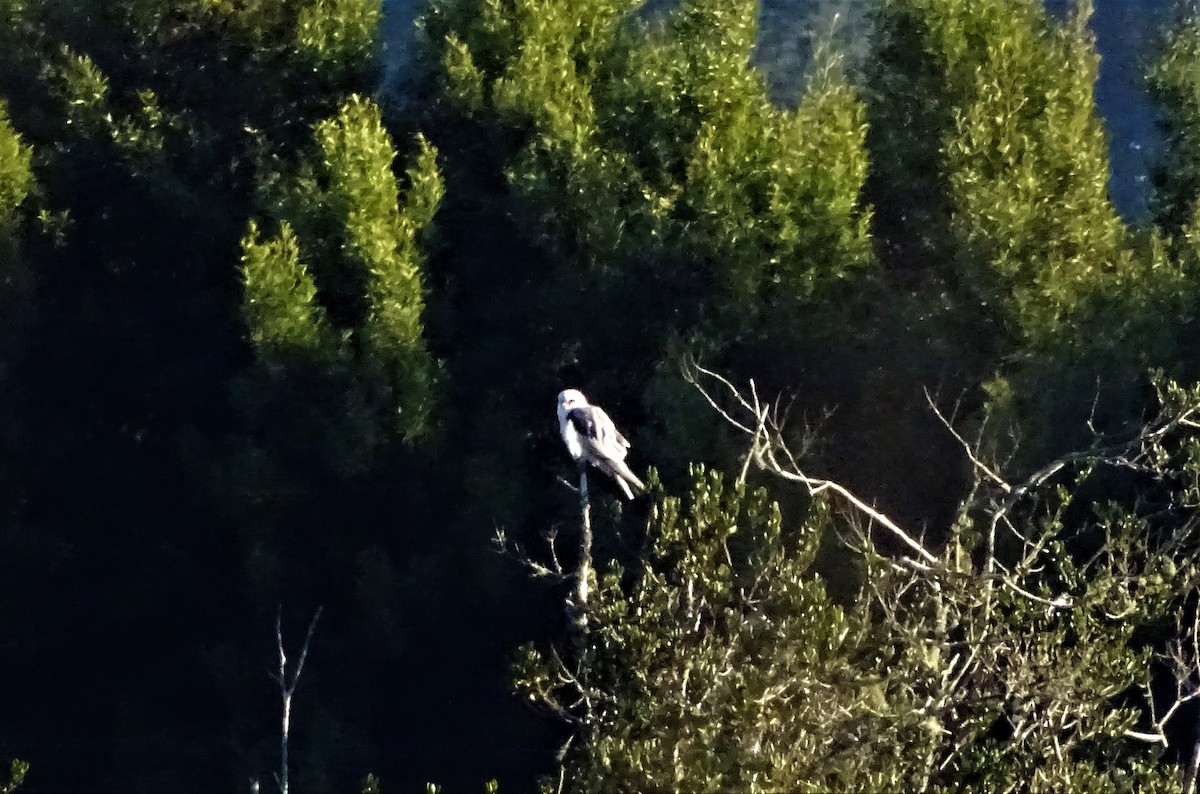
[(919, 405)]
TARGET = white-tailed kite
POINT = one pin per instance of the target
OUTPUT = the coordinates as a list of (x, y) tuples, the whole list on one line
[(591, 437)]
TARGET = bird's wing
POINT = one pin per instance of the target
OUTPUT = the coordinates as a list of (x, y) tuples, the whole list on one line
[(607, 440), (583, 421), (582, 427), (600, 444)]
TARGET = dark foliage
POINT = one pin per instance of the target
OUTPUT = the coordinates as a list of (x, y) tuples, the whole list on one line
[(268, 342)]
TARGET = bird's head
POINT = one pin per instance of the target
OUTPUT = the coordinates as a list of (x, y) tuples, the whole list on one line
[(569, 399)]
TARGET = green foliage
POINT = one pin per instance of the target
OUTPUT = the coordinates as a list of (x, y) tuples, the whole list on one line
[(706, 658), (1007, 148), (83, 87), (613, 193), (1175, 82), (364, 237), (381, 238), (719, 662), (338, 33), (280, 301), (644, 140), (16, 177), (238, 408), (16, 776), (1022, 153), (649, 192), (140, 134), (16, 183)]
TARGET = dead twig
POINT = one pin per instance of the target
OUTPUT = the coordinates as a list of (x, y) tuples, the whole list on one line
[(287, 688)]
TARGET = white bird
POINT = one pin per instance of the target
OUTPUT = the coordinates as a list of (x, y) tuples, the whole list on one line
[(591, 437)]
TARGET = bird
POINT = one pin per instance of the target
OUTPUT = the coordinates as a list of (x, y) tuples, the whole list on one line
[(591, 437)]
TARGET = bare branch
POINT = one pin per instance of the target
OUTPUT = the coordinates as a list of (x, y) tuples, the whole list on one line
[(287, 689), (712, 401), (1150, 738), (770, 453), (537, 569), (816, 485), (995, 503), (766, 441), (1060, 602), (968, 448), (577, 609), (312, 626)]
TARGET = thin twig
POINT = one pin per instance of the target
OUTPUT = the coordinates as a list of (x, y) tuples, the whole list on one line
[(967, 447)]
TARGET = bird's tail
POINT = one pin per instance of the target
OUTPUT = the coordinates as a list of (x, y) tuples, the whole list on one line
[(626, 478)]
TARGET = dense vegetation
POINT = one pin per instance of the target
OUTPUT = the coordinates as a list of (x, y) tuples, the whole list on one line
[(271, 342)]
